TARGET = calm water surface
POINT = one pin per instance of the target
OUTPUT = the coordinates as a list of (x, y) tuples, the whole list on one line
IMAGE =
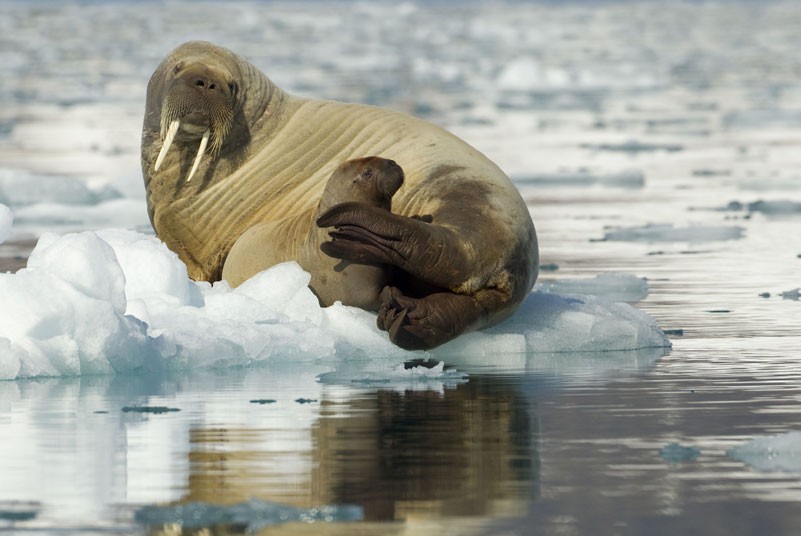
[(529, 444)]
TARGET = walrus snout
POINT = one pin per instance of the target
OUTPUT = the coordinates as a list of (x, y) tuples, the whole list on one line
[(199, 102)]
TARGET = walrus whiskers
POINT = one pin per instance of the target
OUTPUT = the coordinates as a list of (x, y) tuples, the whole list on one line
[(168, 139), (204, 141)]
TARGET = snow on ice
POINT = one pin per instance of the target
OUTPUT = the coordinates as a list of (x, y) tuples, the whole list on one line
[(117, 300)]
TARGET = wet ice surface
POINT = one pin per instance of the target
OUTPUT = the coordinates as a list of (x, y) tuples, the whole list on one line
[(624, 139)]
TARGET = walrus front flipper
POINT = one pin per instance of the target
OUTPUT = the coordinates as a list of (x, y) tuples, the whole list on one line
[(371, 235), (420, 324)]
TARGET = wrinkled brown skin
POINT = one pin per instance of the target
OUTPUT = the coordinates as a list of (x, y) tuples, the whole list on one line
[(371, 181), (459, 243)]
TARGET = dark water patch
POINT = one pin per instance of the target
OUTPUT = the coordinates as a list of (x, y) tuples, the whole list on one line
[(777, 117), (561, 99), (18, 511), (305, 400), (263, 401), (719, 311), (550, 267), (149, 409), (624, 179), (770, 208), (421, 362), (634, 147), (242, 517), (711, 172)]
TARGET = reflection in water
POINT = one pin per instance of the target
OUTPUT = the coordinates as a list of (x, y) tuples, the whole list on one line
[(467, 451)]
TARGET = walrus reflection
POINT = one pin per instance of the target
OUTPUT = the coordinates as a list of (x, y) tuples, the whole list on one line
[(468, 452)]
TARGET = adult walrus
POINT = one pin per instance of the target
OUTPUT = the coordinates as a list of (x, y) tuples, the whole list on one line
[(371, 181), (224, 149)]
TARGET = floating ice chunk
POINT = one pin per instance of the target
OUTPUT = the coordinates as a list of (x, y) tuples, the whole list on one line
[(398, 376), (18, 511), (6, 220), (118, 212), (775, 208), (675, 453), (794, 294), (251, 515), (772, 453), (612, 286), (668, 233), (21, 188), (553, 323)]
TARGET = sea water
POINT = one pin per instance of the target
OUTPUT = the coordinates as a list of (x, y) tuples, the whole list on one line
[(650, 384)]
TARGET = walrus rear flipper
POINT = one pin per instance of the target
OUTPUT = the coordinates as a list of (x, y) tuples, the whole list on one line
[(420, 324), (370, 235)]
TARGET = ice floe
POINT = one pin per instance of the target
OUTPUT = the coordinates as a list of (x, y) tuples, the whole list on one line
[(6, 220), (117, 300), (667, 232), (20, 188), (612, 286), (771, 453)]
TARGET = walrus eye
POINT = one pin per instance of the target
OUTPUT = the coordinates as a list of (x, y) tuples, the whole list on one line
[(367, 173)]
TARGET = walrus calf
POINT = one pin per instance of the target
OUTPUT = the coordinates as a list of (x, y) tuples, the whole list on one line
[(372, 181), (224, 150)]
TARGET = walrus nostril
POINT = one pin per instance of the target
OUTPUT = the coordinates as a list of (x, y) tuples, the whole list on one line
[(206, 84)]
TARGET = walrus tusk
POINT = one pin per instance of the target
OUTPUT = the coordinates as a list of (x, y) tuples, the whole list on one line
[(171, 131), (204, 141)]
